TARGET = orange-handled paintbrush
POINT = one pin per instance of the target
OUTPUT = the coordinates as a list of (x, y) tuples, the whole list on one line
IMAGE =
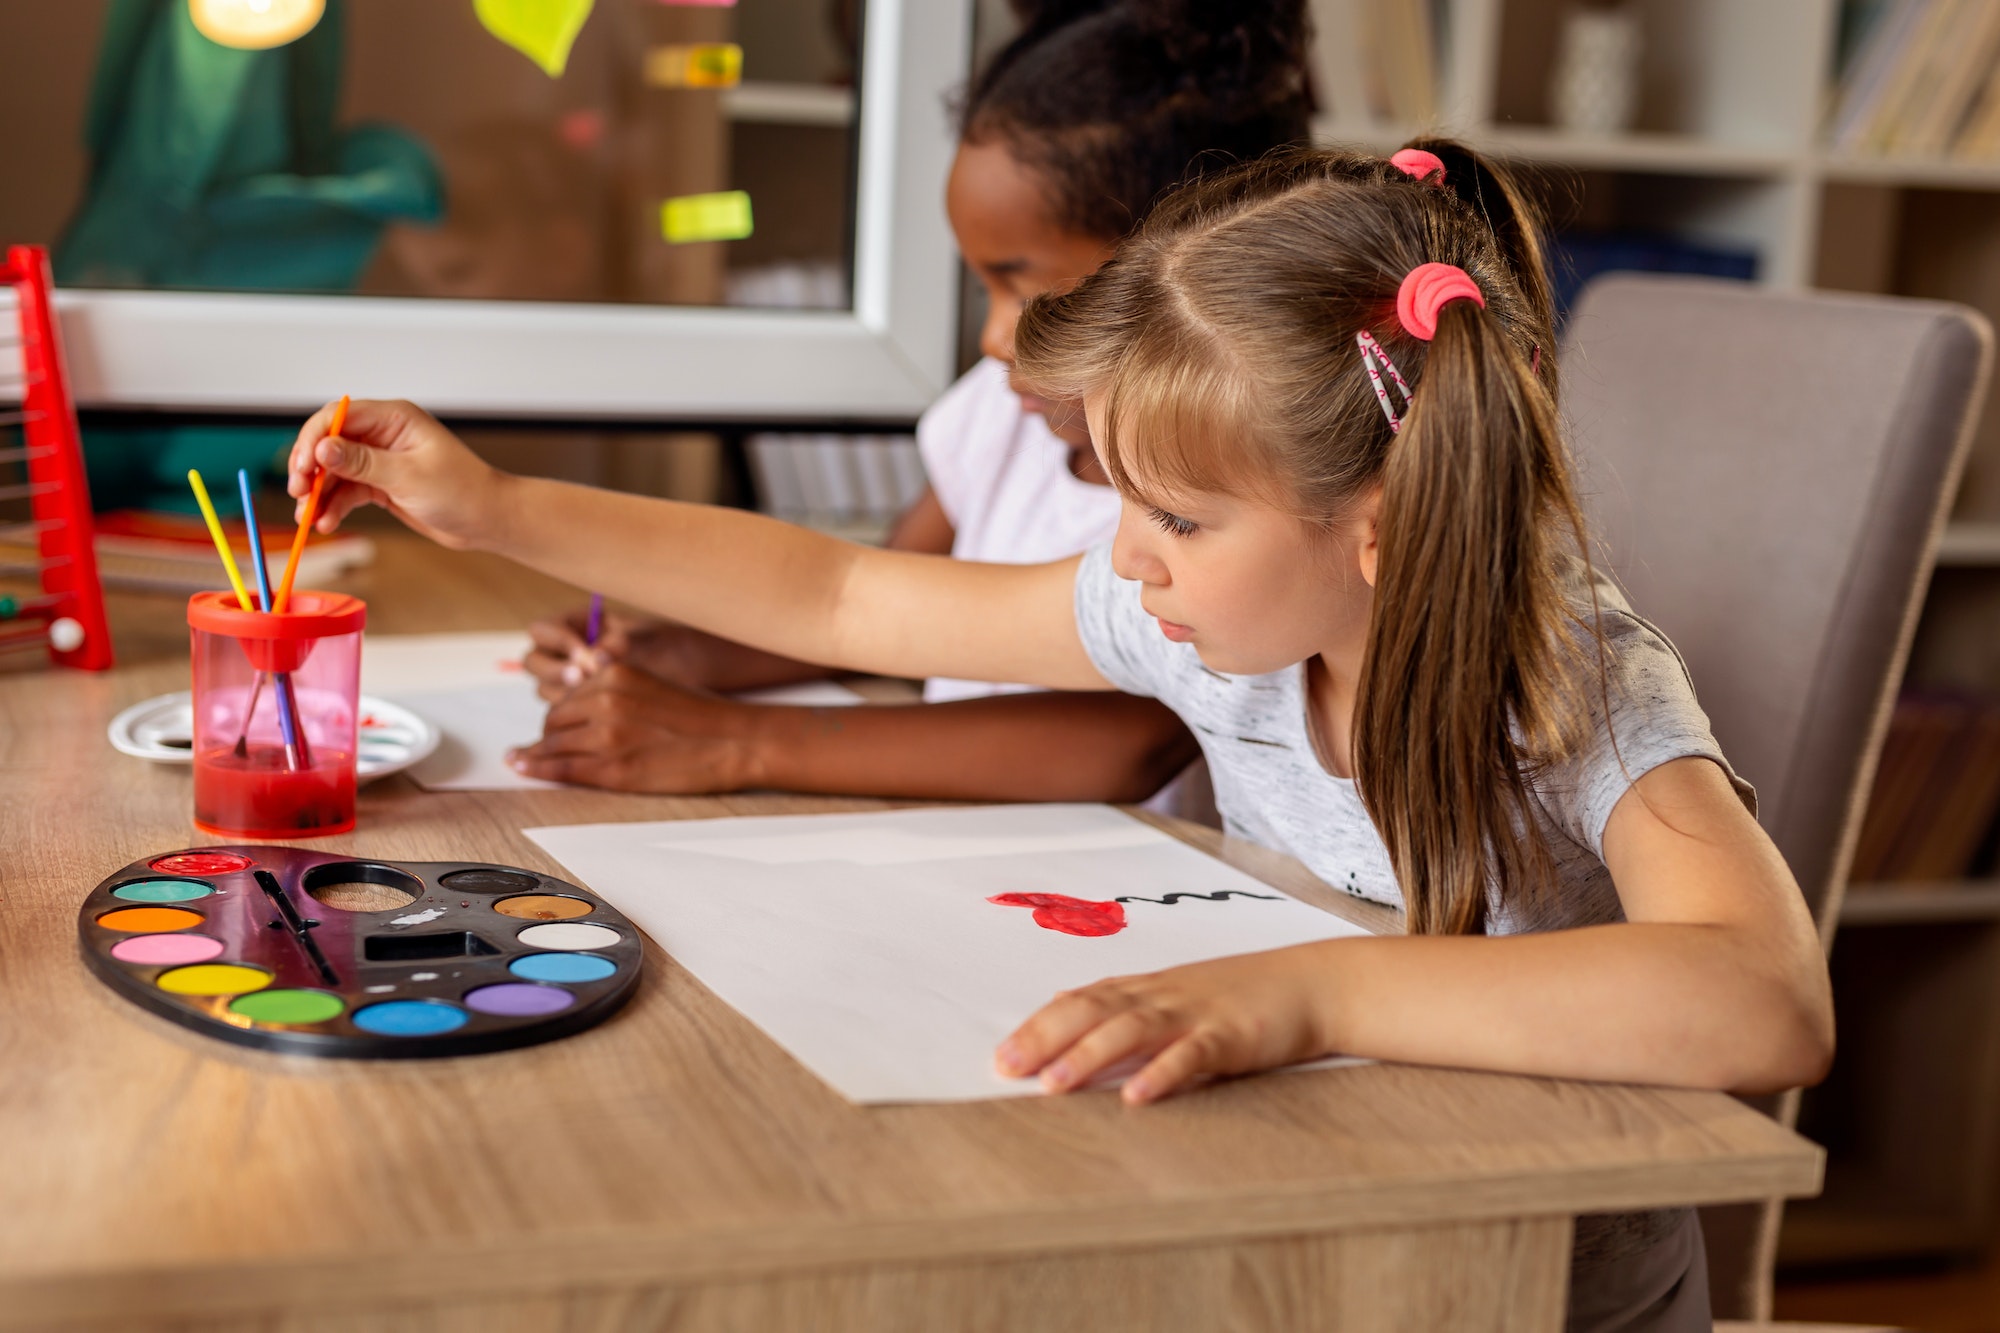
[(284, 596)]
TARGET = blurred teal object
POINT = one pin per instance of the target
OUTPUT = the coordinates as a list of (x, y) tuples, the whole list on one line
[(219, 168), (213, 167), (139, 464)]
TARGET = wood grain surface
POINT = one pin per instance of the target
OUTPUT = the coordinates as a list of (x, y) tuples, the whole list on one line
[(673, 1168)]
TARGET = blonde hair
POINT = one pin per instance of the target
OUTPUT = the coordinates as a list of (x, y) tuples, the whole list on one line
[(1221, 339)]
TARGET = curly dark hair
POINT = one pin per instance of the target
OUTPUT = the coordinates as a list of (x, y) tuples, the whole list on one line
[(1115, 102)]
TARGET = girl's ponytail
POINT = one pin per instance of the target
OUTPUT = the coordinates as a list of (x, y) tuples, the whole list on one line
[(1490, 191), (1464, 687)]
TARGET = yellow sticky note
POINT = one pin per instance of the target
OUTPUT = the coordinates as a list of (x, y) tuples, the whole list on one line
[(706, 65), (723, 216), (541, 30)]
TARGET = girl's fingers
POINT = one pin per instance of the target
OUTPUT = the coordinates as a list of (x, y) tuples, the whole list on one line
[(566, 718), (1052, 1029), (579, 769), (336, 502), (1125, 1036), (1181, 1065), (584, 662), (616, 641), (368, 422), (298, 479), (564, 740), (558, 638)]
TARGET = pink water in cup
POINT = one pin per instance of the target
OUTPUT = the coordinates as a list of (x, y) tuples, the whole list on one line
[(276, 706)]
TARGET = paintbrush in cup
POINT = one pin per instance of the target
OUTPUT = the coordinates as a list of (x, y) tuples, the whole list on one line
[(235, 581), (297, 755)]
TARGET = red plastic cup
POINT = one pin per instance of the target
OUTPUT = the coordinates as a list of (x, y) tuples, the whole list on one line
[(254, 671)]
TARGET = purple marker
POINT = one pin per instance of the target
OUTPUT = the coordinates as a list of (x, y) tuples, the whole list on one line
[(596, 626)]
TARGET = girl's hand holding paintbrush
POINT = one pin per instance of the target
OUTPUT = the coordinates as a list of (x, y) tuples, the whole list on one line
[(398, 456)]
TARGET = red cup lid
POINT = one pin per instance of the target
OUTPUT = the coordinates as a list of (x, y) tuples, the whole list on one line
[(309, 615)]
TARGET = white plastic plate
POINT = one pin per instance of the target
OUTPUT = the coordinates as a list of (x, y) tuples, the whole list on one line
[(162, 729)]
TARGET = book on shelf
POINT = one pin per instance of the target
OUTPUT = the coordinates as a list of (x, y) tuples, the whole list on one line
[(1979, 140), (1963, 65), (1339, 67), (1921, 80), (1377, 61), (150, 552), (1936, 796)]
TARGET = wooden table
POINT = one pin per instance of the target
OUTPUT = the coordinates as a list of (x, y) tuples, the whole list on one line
[(674, 1169)]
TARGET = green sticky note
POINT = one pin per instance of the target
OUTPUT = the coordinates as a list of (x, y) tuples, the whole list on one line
[(541, 30), (723, 216)]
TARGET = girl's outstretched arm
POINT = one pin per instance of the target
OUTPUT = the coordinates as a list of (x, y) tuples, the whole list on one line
[(1715, 980), (740, 575)]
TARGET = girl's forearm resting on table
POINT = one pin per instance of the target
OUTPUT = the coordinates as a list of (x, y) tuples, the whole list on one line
[(1684, 1005), (799, 593), (1716, 978)]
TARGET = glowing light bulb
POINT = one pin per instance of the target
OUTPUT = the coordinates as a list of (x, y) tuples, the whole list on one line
[(255, 25)]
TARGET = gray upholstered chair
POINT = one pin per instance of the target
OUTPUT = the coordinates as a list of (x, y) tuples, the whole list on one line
[(1768, 475)]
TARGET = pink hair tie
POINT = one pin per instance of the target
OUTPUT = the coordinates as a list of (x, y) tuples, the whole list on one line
[(1426, 290), (1418, 163)]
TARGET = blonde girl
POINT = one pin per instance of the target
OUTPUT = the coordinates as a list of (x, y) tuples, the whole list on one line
[(1350, 558)]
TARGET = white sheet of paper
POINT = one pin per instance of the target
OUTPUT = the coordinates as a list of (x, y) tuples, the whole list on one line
[(480, 723), (472, 688), (393, 665), (866, 946)]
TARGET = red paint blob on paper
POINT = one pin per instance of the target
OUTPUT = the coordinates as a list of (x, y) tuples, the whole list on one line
[(1071, 916)]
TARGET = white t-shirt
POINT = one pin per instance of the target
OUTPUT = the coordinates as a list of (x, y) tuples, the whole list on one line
[(1003, 479), (1272, 790)]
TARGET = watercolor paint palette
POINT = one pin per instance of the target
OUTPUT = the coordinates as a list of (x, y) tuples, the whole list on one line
[(312, 953)]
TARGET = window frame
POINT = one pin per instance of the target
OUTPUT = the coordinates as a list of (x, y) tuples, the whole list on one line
[(884, 359)]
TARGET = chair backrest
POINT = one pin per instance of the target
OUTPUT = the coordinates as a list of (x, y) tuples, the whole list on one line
[(1769, 475)]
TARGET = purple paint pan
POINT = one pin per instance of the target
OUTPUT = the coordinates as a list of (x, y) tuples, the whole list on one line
[(519, 999)]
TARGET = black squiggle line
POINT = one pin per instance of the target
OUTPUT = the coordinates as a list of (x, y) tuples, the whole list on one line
[(1215, 897)]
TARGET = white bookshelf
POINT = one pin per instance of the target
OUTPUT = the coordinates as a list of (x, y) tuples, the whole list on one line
[(1734, 98)]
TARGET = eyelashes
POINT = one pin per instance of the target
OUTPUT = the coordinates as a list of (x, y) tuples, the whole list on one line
[(1174, 524)]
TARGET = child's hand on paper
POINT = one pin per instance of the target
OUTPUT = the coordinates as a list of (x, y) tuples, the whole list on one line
[(1188, 1025), (562, 659), (629, 731), (398, 456)]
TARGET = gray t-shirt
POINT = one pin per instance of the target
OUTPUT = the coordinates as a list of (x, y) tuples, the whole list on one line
[(1271, 789)]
